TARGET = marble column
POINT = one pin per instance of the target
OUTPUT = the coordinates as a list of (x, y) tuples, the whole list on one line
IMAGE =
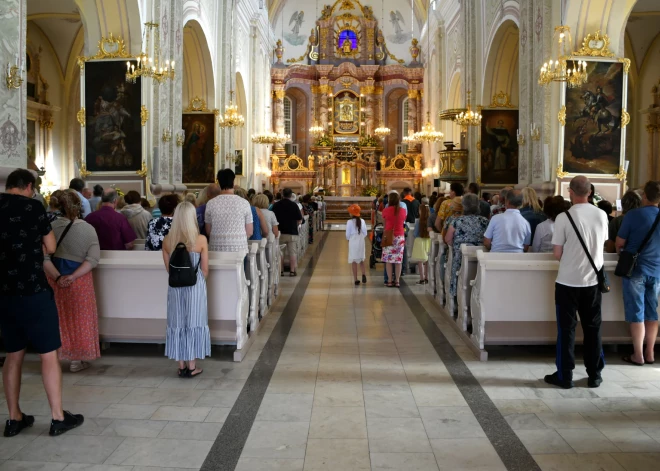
[(278, 116), (412, 117), (175, 38), (13, 113)]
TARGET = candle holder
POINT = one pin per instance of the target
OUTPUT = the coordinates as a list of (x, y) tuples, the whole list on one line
[(521, 139), (535, 133), (167, 135), (13, 77), (180, 138)]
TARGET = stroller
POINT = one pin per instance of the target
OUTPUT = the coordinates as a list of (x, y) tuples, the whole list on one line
[(376, 249)]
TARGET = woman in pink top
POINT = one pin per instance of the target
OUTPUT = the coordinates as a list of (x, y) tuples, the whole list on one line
[(394, 217)]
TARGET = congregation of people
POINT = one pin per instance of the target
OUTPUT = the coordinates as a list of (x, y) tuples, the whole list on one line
[(49, 251)]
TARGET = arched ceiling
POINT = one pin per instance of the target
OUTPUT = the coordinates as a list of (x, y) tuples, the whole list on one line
[(502, 72), (197, 65)]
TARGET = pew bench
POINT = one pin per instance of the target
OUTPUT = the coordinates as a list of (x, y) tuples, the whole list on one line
[(466, 274)]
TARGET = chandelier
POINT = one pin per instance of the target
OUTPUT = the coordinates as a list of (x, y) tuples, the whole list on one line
[(468, 117), (428, 132), (564, 68), (232, 118), (381, 131), (411, 139), (316, 130), (269, 138), (150, 66)]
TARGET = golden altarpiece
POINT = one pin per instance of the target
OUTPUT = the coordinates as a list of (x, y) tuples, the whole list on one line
[(346, 85)]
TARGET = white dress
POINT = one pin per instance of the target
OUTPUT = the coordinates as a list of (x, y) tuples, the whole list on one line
[(356, 246)]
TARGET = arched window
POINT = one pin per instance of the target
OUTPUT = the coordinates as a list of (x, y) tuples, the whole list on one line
[(287, 115), (404, 117)]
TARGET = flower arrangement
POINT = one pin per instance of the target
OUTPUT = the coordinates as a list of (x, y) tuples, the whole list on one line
[(324, 141), (368, 141), (370, 191), (119, 191)]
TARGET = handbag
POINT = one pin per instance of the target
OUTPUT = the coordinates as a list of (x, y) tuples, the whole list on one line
[(603, 281), (388, 238), (627, 260)]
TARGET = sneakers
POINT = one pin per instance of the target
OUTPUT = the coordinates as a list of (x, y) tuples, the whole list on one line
[(71, 421), (14, 427), (562, 383), (77, 366), (594, 381)]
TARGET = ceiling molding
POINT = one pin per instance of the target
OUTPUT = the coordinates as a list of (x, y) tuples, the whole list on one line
[(645, 13), (61, 16)]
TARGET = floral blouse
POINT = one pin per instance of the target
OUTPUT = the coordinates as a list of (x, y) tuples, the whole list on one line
[(468, 230), (156, 232)]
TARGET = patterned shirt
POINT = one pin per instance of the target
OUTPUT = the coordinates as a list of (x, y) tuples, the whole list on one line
[(158, 229), (23, 223), (228, 215), (445, 210)]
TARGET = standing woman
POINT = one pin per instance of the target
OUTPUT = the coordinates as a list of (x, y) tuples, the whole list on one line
[(188, 338), (394, 217), (69, 272), (422, 244), (356, 232), (309, 210)]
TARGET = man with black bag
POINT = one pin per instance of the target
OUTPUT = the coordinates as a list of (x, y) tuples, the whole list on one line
[(578, 242), (638, 244)]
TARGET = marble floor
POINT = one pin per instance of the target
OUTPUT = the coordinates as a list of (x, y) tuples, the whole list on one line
[(344, 378)]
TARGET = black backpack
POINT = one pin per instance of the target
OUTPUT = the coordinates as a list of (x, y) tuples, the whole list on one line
[(182, 271)]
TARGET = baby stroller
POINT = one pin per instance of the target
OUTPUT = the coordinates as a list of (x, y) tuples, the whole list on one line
[(376, 249)]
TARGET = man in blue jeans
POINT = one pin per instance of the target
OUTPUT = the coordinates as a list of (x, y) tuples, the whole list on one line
[(641, 290)]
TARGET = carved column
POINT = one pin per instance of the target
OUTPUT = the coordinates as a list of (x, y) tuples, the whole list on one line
[(412, 116), (278, 116), (175, 38)]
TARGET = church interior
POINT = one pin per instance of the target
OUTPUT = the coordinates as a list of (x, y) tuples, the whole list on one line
[(344, 100)]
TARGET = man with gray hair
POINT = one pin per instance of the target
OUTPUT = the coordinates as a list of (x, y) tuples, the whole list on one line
[(501, 205), (112, 228), (509, 232), (576, 286)]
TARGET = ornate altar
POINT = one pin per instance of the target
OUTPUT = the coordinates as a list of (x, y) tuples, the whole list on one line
[(399, 172), (292, 173)]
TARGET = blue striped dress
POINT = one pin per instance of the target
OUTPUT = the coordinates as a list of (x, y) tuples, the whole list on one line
[(188, 337)]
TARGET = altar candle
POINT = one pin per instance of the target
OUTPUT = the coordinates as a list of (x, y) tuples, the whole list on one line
[(128, 66)]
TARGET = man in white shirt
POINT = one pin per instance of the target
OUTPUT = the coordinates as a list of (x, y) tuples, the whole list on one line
[(509, 232), (576, 287)]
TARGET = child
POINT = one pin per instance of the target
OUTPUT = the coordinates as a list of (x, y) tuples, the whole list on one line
[(356, 232), (422, 245)]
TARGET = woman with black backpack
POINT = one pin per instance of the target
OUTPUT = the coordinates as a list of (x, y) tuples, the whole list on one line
[(186, 256)]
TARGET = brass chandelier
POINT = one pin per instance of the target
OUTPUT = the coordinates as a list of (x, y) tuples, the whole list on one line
[(269, 138), (428, 132), (411, 139), (150, 66), (316, 130), (232, 118), (564, 68), (468, 117)]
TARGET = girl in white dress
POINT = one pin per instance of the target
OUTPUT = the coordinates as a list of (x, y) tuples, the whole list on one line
[(356, 232)]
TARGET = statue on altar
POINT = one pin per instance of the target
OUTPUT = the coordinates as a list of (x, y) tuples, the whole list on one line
[(346, 46), (346, 112)]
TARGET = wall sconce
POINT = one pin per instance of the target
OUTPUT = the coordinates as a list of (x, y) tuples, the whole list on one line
[(535, 133), (180, 138), (14, 75), (521, 138), (167, 134)]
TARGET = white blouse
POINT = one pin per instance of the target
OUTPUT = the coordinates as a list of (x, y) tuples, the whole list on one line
[(543, 237)]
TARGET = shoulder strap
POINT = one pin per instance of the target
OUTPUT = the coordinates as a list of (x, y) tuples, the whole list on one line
[(584, 246), (66, 230), (650, 233)]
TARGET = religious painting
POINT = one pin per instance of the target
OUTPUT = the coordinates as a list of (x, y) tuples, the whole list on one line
[(593, 141), (400, 35), (294, 37), (198, 156), (347, 113), (238, 162), (499, 146), (32, 144), (113, 128), (348, 41)]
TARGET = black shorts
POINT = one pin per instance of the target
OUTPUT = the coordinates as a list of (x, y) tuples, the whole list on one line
[(30, 320)]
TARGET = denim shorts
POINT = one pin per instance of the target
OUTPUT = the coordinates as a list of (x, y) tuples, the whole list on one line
[(640, 298)]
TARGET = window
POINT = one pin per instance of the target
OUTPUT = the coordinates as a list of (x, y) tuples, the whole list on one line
[(287, 115), (404, 117)]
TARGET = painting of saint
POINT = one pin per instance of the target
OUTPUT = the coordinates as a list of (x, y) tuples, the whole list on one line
[(346, 112), (198, 157), (593, 134), (499, 146), (238, 162), (113, 130)]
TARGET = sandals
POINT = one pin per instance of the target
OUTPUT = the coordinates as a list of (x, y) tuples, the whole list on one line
[(357, 282), (183, 373), (397, 285), (648, 362), (628, 359), (364, 278), (192, 374), (390, 284), (421, 282)]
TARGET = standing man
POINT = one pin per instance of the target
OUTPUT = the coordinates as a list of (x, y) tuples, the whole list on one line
[(112, 228), (28, 314), (641, 290), (455, 189), (289, 216), (412, 214), (95, 200), (576, 287), (77, 185)]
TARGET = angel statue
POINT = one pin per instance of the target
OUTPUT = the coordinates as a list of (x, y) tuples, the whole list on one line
[(395, 18), (296, 18)]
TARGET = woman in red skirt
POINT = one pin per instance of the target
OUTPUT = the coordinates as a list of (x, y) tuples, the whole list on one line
[(69, 272)]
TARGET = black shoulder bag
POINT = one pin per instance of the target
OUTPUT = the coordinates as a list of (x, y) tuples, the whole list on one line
[(628, 260), (66, 230), (603, 281)]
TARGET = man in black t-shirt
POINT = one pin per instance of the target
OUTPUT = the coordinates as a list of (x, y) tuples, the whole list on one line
[(28, 314), (289, 218)]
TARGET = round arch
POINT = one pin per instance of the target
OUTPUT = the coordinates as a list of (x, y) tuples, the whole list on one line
[(454, 101), (241, 134), (198, 78), (300, 118), (502, 63)]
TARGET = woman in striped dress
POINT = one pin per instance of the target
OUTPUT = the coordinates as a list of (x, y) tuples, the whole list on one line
[(188, 338)]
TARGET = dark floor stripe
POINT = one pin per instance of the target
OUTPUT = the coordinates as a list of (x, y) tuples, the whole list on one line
[(511, 450), (228, 446)]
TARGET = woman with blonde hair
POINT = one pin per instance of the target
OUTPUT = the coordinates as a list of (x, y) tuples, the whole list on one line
[(261, 203), (190, 198), (188, 338), (531, 209), (69, 272)]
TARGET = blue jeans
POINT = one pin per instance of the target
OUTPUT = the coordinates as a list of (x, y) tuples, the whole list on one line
[(640, 298)]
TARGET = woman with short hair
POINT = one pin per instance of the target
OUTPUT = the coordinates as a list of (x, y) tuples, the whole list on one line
[(531, 209), (69, 272), (630, 200), (160, 227), (261, 202), (138, 217), (553, 206), (188, 338), (467, 228)]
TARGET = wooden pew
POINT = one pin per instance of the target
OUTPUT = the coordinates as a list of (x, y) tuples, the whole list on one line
[(431, 262), (439, 272), (512, 301), (466, 274), (273, 269), (450, 301), (131, 295), (262, 266)]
